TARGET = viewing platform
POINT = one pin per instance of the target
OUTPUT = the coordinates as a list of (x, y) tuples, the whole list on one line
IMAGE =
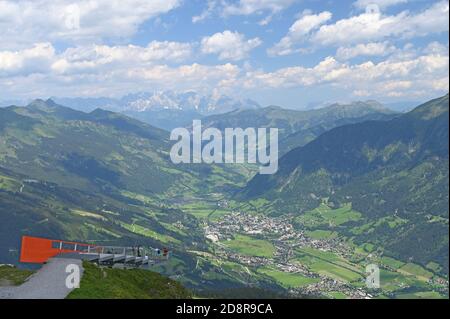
[(39, 250)]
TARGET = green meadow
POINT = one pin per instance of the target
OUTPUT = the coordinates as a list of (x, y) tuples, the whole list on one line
[(325, 216), (288, 280), (249, 246), (329, 264)]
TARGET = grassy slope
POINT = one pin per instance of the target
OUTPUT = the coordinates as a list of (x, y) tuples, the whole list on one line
[(13, 276), (106, 283)]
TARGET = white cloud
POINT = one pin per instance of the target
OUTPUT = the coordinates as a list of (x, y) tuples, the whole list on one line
[(366, 49), (298, 32), (418, 75), (102, 70), (120, 81), (382, 4), (27, 61), (436, 48), (368, 27), (246, 7), (105, 70), (23, 22), (96, 57), (195, 76), (211, 6), (92, 59), (229, 45), (89, 67), (375, 26)]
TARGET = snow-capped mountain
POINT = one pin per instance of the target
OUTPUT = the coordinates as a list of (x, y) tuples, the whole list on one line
[(163, 100), (187, 101)]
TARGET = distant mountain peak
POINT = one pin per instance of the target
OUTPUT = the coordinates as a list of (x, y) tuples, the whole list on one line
[(185, 101), (50, 102), (163, 100), (42, 105)]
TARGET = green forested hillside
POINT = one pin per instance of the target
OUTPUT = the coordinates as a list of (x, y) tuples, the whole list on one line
[(396, 168), (97, 177), (297, 128), (104, 178)]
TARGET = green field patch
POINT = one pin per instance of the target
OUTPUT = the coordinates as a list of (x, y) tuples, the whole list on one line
[(326, 216), (142, 198), (391, 262), (250, 246), (322, 234), (83, 213), (415, 270), (335, 271), (325, 255), (140, 230), (8, 184), (101, 230), (392, 281), (329, 264), (390, 221), (174, 229), (367, 247), (200, 209), (217, 214), (288, 280), (200, 213), (420, 295), (435, 267)]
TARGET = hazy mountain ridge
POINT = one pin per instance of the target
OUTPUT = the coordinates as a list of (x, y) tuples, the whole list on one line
[(297, 128)]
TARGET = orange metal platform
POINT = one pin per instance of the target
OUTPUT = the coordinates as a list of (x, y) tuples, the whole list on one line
[(39, 250)]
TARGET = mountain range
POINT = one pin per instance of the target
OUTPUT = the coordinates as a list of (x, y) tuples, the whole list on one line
[(297, 128), (166, 110), (169, 110), (161, 100)]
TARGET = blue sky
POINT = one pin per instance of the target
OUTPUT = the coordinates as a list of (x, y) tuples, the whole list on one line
[(293, 53)]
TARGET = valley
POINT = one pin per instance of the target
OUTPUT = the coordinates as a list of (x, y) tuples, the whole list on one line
[(225, 149), (308, 260), (308, 231)]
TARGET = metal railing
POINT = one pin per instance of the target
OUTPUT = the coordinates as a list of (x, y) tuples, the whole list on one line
[(146, 253)]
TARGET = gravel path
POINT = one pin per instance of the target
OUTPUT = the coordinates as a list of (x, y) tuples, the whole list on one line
[(48, 283)]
